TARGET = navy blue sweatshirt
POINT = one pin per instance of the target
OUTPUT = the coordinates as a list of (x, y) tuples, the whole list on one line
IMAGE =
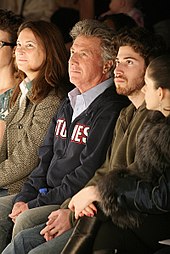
[(72, 151)]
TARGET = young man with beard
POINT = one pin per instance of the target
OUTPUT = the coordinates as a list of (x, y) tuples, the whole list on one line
[(136, 48)]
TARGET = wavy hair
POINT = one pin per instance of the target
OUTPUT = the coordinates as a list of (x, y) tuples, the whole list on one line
[(147, 44), (95, 28)]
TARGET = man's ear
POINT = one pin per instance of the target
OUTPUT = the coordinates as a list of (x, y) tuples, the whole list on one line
[(107, 66)]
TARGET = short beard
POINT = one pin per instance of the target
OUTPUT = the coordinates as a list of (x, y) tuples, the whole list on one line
[(130, 90)]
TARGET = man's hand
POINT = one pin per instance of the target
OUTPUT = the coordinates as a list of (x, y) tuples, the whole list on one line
[(18, 208), (58, 222)]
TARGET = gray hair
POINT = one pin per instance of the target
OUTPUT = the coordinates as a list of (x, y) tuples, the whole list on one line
[(95, 28)]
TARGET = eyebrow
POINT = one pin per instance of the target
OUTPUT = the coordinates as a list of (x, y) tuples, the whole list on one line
[(128, 57), (29, 41), (82, 49)]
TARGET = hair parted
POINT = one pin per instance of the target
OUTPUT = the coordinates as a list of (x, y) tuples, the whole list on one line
[(53, 72)]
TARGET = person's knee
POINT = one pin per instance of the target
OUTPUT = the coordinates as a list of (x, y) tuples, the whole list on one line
[(6, 206), (36, 251), (24, 218), (16, 245)]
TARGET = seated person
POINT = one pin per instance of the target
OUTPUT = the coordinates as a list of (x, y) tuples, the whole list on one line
[(34, 101), (9, 23)]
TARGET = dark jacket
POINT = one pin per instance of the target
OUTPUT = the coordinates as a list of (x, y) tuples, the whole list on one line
[(127, 194), (72, 151)]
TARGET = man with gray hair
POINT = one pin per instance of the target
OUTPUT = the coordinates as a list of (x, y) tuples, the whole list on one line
[(77, 139)]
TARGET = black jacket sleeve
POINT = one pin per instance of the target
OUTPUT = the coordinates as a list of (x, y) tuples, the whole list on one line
[(125, 196)]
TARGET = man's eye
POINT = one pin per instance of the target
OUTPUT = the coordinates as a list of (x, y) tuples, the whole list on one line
[(83, 54), (129, 62)]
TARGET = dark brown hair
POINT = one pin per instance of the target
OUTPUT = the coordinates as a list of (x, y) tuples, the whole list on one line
[(147, 44), (159, 71), (53, 72)]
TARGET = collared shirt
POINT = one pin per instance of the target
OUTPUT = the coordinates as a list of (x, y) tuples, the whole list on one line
[(25, 86), (81, 101)]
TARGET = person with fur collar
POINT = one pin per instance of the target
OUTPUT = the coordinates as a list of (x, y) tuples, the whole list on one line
[(125, 193)]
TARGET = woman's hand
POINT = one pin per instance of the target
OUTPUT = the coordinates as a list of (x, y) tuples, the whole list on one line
[(83, 199), (89, 211)]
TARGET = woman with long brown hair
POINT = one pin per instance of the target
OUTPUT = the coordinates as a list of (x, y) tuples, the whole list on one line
[(41, 58)]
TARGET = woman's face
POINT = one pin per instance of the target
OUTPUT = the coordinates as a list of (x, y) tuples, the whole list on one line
[(152, 95), (6, 52), (30, 53)]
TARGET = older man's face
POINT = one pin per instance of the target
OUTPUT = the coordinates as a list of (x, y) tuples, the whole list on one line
[(86, 63)]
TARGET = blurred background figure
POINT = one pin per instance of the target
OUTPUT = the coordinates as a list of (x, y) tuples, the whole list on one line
[(152, 14), (118, 21), (69, 12), (9, 23), (39, 9), (128, 7), (63, 13)]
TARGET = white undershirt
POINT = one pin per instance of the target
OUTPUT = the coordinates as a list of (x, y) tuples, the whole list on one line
[(24, 90)]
